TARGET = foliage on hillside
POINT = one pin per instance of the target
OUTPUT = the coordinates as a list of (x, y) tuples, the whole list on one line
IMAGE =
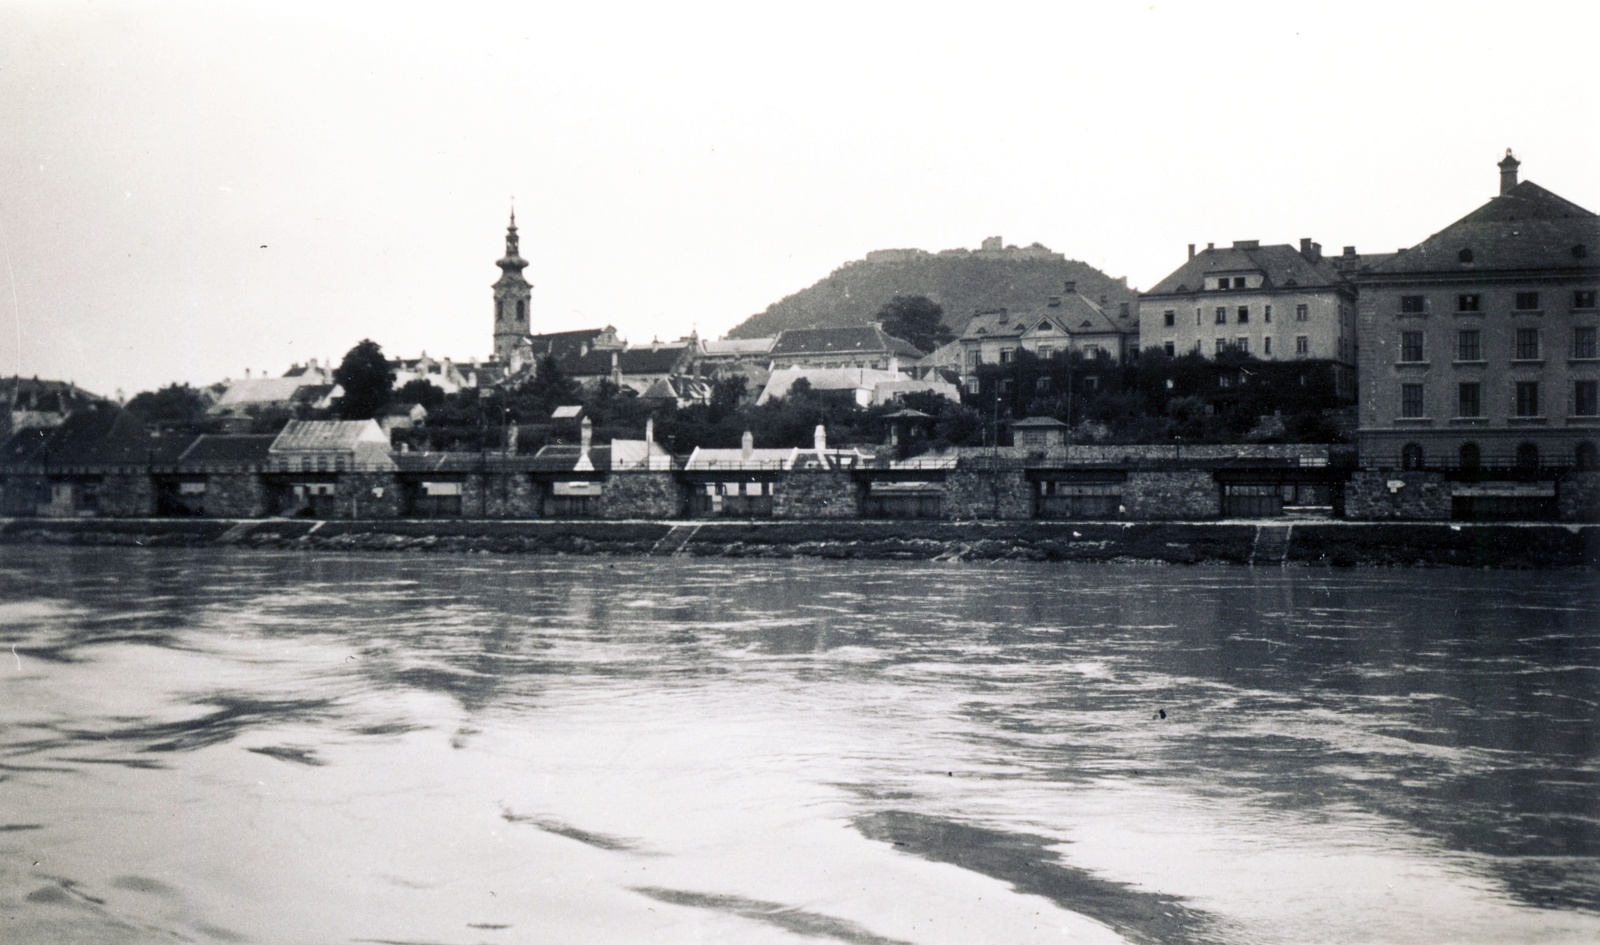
[(960, 283)]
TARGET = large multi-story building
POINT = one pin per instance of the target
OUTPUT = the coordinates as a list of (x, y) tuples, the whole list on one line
[(1479, 345), (1273, 302)]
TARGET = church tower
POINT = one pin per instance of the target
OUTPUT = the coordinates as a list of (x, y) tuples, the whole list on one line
[(511, 294)]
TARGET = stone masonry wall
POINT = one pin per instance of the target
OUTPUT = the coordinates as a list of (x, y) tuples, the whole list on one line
[(816, 494), (236, 495), (1578, 497), (499, 495), (981, 493), (1183, 494), (642, 494), (1421, 496), (356, 499), (127, 495)]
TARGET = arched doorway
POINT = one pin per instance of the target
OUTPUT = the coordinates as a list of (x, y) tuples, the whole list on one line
[(1411, 456), (1527, 456), (1471, 456)]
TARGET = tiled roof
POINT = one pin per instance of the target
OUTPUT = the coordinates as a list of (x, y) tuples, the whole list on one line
[(218, 450), (738, 347), (783, 379), (660, 360), (1526, 228), (263, 390), (329, 436), (565, 458), (24, 446), (862, 339), (1284, 265)]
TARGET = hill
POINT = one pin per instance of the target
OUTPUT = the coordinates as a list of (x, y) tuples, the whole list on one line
[(962, 281)]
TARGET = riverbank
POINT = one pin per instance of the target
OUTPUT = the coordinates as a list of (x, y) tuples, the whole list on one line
[(1271, 542)]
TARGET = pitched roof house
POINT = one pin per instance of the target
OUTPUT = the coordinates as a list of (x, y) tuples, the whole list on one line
[(330, 446), (862, 346)]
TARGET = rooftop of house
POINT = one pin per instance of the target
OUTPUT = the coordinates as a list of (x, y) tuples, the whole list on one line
[(228, 450), (737, 347), (821, 379), (1071, 312), (1281, 265), (263, 390), (1527, 227), (99, 434), (855, 339), (300, 436), (565, 458)]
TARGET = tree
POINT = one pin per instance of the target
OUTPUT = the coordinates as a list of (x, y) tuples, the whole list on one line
[(420, 390), (176, 408), (367, 380), (916, 319)]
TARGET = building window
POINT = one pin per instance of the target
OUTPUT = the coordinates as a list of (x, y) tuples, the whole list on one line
[(1092, 382), (972, 385), (1469, 303), (1266, 347), (1302, 346), (1222, 315), (1093, 352), (1527, 455), (1583, 343), (1411, 346), (1238, 282), (1171, 348), (1301, 312), (1586, 398), (1197, 315), (1413, 304), (1169, 318), (522, 308), (1222, 345), (1244, 314), (1411, 405), (1527, 344), (1266, 314), (1047, 351), (1527, 301), (974, 357), (1005, 355), (1583, 298), (1411, 456), (1585, 456), (1243, 344), (1469, 399), (1471, 457), (1527, 398), (1198, 346), (1469, 345), (1042, 385), (1122, 309)]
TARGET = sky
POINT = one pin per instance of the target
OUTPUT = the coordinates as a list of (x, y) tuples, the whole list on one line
[(191, 190)]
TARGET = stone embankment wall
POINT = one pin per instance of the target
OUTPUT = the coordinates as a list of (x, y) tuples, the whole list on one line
[(642, 495), (1315, 545), (1404, 496)]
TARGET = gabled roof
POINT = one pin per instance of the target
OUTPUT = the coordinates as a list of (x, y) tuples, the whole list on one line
[(823, 379), (1525, 228), (565, 458), (302, 436), (737, 347), (854, 339), (1004, 324), (1283, 265), (220, 450), (663, 359), (262, 390)]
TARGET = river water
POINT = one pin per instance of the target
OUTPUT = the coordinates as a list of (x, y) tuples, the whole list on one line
[(247, 746)]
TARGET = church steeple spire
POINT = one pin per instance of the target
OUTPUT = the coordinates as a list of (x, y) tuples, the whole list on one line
[(511, 293)]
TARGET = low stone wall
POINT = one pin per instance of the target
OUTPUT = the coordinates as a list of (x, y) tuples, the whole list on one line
[(127, 495), (500, 495), (1578, 497), (1404, 496), (642, 494), (820, 493), (236, 495), (368, 495), (1003, 494), (1178, 494)]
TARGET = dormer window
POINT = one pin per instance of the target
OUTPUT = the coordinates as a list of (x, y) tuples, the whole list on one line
[(1465, 256), (1044, 326)]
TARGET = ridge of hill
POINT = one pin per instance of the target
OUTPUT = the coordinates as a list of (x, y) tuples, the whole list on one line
[(962, 281)]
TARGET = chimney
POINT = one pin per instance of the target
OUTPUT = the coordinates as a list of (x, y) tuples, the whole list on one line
[(819, 439), (1246, 244), (586, 436), (1055, 301), (1072, 285), (1349, 250), (1508, 172), (747, 445), (1191, 250), (1210, 247), (1310, 250)]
